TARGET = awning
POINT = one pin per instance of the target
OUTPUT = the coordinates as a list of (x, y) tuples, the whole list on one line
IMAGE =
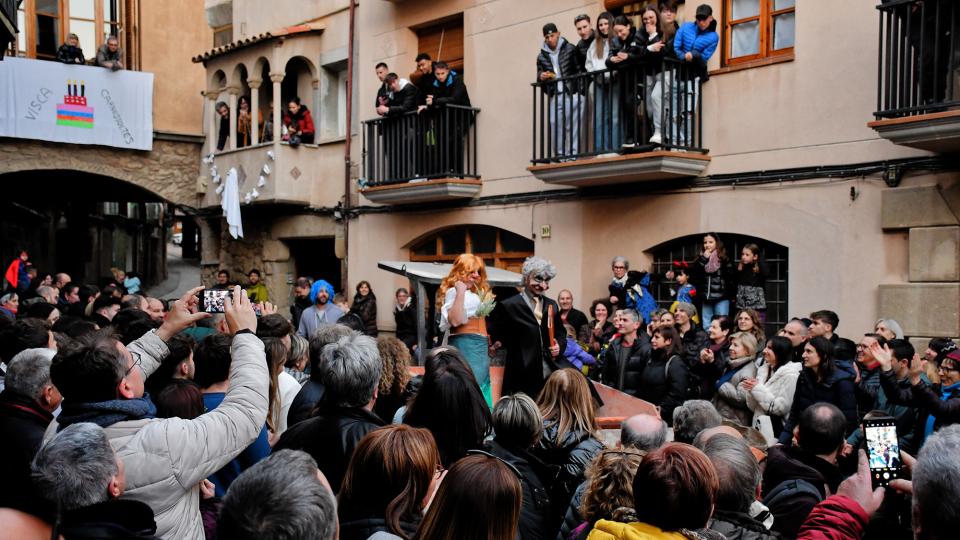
[(422, 273), (435, 272)]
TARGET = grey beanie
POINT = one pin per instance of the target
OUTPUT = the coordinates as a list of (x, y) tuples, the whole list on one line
[(688, 308), (894, 327)]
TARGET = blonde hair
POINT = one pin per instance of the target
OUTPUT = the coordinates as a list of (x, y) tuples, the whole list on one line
[(609, 480), (748, 340), (396, 365), (565, 400), (464, 265)]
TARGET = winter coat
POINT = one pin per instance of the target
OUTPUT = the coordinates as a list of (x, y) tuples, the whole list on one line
[(404, 100), (942, 403), (633, 46), (692, 342), (614, 530), (714, 286), (583, 46), (451, 92), (836, 518), (568, 62), (104, 55), (626, 376), (577, 356), (366, 308), (536, 507), (750, 287), (905, 415), (731, 398), (739, 526), (699, 43), (664, 385), (773, 397), (362, 528), (224, 133), (296, 310), (330, 438), (120, 519), (406, 320), (302, 121), (384, 94), (22, 424), (573, 518), (571, 456), (706, 374), (166, 459), (597, 343), (306, 400), (68, 54), (837, 389), (513, 324), (786, 464), (258, 293)]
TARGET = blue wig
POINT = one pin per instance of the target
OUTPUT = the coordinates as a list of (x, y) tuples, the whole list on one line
[(317, 286)]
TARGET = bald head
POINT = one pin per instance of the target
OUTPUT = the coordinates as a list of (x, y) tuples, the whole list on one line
[(62, 279), (643, 432), (701, 439)]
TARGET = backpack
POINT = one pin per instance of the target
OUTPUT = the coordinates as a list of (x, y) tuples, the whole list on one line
[(788, 490)]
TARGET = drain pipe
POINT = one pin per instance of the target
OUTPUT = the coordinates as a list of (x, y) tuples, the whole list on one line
[(347, 146)]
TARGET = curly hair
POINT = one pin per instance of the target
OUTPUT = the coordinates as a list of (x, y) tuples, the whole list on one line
[(396, 364), (609, 480), (463, 266)]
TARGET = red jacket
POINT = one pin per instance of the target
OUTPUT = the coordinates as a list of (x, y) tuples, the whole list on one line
[(303, 120), (836, 518)]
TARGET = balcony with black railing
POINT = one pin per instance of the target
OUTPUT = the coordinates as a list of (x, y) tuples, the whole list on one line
[(637, 123), (918, 66), (423, 156)]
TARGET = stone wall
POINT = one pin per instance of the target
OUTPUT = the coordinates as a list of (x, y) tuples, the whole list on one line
[(169, 171)]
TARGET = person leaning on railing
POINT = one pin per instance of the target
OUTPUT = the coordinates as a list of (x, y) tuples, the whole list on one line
[(109, 55), (625, 52), (70, 52)]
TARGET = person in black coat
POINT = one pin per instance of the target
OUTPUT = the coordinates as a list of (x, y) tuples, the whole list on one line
[(627, 356), (224, 129), (405, 316), (714, 276), (405, 97), (663, 381), (626, 51), (313, 391), (520, 324), (365, 306), (345, 416), (26, 407), (559, 59), (573, 318), (383, 93), (448, 124)]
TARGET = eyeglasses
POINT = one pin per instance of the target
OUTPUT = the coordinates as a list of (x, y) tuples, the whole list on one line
[(541, 279), (515, 470), (136, 362), (944, 367)]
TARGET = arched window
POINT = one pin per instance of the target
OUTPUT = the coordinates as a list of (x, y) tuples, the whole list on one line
[(497, 247), (688, 248)]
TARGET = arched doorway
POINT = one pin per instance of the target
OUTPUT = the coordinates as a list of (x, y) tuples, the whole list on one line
[(498, 247), (688, 248)]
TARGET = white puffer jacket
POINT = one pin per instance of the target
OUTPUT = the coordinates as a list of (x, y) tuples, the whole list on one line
[(775, 396), (165, 459)]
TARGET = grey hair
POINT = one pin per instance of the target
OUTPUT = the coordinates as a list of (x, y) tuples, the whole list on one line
[(538, 266), (299, 345), (327, 334), (7, 297), (620, 259), (936, 484), (113, 38), (74, 467), (692, 417), (220, 105), (28, 373), (643, 440), (632, 313), (45, 289), (350, 369), (737, 469), (517, 420), (279, 497)]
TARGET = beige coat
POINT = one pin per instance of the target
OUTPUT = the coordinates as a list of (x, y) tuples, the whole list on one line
[(165, 459)]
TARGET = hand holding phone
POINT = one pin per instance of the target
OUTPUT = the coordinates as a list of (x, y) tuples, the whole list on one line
[(883, 450)]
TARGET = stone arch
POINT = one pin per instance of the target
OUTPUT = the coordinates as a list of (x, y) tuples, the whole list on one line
[(217, 82), (301, 79), (498, 247)]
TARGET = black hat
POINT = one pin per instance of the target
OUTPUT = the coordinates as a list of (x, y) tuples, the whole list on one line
[(549, 28), (704, 11)]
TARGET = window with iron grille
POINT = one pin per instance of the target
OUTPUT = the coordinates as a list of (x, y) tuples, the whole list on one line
[(688, 248)]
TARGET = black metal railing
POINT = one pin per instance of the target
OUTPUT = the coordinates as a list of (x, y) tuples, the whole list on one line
[(635, 108), (919, 51), (437, 142)]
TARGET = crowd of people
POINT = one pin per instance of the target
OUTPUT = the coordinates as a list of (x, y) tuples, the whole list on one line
[(109, 55), (125, 417), (296, 123)]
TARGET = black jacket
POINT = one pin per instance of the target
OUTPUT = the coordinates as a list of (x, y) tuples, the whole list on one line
[(306, 400), (451, 92), (224, 132), (739, 526), (22, 424), (569, 63), (576, 319), (926, 399), (406, 320), (404, 100), (838, 389), (536, 508), (383, 96), (664, 385), (694, 341), (785, 464), (571, 456), (68, 54), (706, 375), (626, 376), (633, 46), (714, 286), (296, 310), (352, 528), (527, 344), (582, 47), (330, 437), (366, 308), (121, 519)]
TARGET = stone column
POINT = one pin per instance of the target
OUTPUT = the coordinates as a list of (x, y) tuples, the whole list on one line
[(212, 121), (254, 85), (234, 92), (278, 104)]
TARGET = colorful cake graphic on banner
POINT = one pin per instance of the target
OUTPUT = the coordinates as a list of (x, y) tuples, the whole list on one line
[(74, 111)]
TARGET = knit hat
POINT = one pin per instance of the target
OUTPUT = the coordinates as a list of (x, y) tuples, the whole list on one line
[(894, 327), (687, 308)]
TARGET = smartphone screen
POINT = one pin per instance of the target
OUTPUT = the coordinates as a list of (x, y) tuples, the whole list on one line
[(212, 300), (883, 450)]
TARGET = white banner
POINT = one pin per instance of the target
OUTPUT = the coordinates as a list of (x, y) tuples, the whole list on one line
[(68, 103)]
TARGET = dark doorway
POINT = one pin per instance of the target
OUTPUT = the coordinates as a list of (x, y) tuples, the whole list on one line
[(316, 258)]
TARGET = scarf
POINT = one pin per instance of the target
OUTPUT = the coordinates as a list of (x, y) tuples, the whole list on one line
[(106, 413), (622, 282), (713, 264), (945, 393)]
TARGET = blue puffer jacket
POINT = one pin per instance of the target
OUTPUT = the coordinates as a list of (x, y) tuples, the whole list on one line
[(700, 43)]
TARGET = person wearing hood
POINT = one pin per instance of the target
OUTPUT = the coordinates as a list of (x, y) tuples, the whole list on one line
[(299, 123), (398, 134), (322, 312), (559, 59), (404, 98), (447, 88), (826, 379), (694, 44)]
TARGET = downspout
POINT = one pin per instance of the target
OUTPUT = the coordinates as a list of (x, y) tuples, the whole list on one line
[(346, 147)]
